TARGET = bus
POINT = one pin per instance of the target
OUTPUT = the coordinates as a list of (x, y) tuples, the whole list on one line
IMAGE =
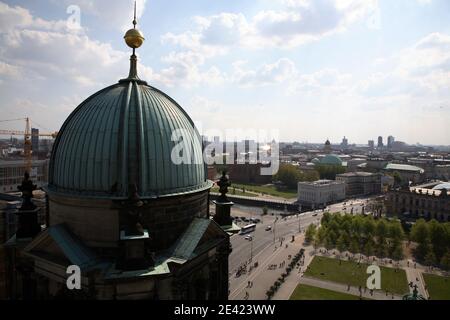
[(248, 228)]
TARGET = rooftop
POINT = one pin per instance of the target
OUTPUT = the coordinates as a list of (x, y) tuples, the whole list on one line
[(320, 182), (403, 167), (356, 174)]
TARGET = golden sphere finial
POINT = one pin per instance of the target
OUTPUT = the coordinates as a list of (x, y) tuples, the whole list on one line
[(134, 38)]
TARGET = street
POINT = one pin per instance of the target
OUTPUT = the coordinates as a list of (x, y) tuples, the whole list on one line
[(264, 243)]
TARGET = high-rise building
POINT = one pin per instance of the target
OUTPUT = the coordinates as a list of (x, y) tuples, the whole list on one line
[(327, 147), (34, 140), (344, 143), (390, 141), (371, 144), (380, 142)]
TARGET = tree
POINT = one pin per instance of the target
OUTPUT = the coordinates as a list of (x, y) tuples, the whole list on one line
[(326, 218), (397, 250), (368, 248), (289, 175), (309, 175), (430, 258), (321, 235), (341, 243), (369, 227), (331, 239), (438, 238), (445, 261), (357, 226), (420, 234), (354, 246), (382, 248), (396, 231), (329, 171), (381, 230), (310, 233), (397, 178), (265, 210)]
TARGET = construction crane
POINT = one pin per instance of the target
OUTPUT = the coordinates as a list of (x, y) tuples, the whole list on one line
[(27, 147)]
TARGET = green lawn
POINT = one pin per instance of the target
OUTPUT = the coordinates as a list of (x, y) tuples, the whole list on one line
[(305, 292), (438, 287), (348, 272), (270, 190)]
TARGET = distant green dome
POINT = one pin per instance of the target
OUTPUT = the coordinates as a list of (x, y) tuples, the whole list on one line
[(332, 160), (120, 137), (315, 161)]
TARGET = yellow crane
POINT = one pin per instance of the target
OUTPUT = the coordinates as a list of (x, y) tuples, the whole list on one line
[(27, 139)]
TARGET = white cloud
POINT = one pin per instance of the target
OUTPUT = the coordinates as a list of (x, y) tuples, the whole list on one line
[(267, 74), (419, 70), (300, 22), (9, 70)]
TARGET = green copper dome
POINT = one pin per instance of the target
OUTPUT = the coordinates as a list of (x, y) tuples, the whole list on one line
[(332, 160), (121, 137)]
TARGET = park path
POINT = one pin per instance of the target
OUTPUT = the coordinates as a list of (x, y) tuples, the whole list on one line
[(291, 282), (415, 276), (263, 278), (297, 277), (339, 287)]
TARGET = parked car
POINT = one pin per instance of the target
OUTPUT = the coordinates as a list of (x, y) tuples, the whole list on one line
[(268, 228), (315, 214), (248, 237)]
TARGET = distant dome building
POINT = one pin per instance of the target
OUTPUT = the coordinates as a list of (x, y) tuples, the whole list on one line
[(332, 160), (118, 206)]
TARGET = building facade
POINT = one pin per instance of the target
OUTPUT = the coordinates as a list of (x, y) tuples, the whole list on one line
[(320, 193), (360, 183), (35, 140), (407, 173), (248, 173), (420, 202), (11, 173)]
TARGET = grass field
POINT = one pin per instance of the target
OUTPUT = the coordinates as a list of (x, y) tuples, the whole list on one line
[(348, 272), (305, 292), (270, 190), (438, 287)]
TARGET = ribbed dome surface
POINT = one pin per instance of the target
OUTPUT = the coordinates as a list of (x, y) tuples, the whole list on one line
[(122, 136)]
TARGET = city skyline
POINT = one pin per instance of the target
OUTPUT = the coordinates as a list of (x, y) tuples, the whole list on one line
[(264, 64)]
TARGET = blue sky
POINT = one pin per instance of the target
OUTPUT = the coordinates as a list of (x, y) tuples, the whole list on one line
[(311, 69)]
